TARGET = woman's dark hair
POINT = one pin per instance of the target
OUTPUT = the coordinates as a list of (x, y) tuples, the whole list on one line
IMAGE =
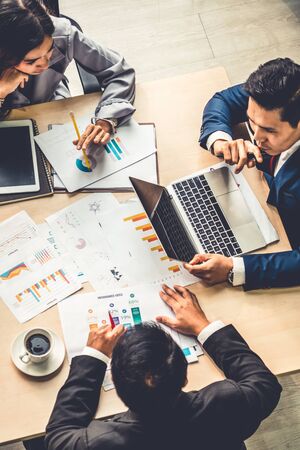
[(148, 369), (23, 26), (276, 85)]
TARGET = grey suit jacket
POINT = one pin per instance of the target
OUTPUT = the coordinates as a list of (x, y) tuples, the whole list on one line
[(116, 78), (218, 417)]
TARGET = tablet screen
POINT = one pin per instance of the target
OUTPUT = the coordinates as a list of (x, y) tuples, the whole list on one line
[(17, 155)]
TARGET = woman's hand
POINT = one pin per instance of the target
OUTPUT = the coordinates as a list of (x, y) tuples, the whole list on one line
[(10, 80), (97, 134)]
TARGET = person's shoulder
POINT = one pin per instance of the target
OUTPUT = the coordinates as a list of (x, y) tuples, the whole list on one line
[(62, 26), (112, 434)]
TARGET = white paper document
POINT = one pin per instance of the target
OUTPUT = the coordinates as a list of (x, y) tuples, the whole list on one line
[(138, 249), (79, 227), (46, 232), (119, 181), (32, 276), (128, 306), (125, 148)]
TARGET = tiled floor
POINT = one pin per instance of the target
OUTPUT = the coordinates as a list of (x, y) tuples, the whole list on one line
[(163, 38)]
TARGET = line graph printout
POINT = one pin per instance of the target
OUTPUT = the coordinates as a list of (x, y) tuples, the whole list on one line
[(32, 276), (139, 251), (16, 232), (79, 227), (129, 306), (127, 147)]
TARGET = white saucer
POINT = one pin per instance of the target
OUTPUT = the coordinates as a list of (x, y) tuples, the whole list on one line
[(42, 369)]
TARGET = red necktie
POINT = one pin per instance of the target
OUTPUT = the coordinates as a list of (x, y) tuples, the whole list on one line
[(272, 164)]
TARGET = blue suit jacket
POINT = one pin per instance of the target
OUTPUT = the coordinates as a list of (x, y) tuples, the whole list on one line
[(226, 109)]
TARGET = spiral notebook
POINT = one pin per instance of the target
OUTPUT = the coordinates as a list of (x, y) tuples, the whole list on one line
[(44, 176)]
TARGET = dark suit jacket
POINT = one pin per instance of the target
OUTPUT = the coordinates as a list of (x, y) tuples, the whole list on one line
[(225, 109), (218, 417)]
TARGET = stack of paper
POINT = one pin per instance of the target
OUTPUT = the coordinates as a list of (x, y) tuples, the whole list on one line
[(127, 147), (145, 168)]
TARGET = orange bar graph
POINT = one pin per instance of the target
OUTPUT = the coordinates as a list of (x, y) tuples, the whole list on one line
[(150, 238), (19, 298), (174, 268), (146, 227), (164, 258), (136, 217), (158, 248), (35, 290)]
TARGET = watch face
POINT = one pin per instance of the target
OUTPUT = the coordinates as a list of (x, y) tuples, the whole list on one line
[(230, 277)]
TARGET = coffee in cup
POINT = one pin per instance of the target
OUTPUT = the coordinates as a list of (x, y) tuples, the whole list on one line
[(38, 344)]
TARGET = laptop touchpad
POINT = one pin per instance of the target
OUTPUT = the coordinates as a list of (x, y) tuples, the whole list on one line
[(220, 181), (235, 209)]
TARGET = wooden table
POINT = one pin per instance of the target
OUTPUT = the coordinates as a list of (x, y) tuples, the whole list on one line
[(268, 319)]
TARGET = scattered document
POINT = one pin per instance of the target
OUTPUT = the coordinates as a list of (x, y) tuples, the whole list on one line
[(129, 306), (79, 227), (32, 276), (59, 249), (125, 148), (119, 181), (138, 249)]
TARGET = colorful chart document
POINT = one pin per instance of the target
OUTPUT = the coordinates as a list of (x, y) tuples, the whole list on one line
[(32, 276), (129, 306), (124, 149), (139, 251), (79, 228)]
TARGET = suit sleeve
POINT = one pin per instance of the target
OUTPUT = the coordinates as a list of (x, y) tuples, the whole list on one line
[(115, 76), (75, 405), (272, 270), (251, 391), (224, 110)]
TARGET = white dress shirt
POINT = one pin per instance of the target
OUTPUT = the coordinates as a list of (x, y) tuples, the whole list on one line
[(239, 276), (205, 334)]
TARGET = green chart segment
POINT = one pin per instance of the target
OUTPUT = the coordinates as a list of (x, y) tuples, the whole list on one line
[(136, 315)]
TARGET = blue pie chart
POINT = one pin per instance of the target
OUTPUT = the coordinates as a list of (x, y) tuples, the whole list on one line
[(80, 164)]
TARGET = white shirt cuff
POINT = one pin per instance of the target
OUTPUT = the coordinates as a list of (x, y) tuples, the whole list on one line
[(212, 138), (239, 276), (89, 351), (209, 330)]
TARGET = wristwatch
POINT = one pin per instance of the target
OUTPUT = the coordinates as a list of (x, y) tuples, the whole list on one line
[(2, 100), (113, 122), (230, 276)]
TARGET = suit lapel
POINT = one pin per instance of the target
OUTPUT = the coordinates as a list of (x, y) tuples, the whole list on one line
[(288, 172)]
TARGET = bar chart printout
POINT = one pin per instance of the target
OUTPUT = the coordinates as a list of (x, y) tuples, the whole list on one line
[(32, 276), (148, 235), (134, 242), (128, 306)]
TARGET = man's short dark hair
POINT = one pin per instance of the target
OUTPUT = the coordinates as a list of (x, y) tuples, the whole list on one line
[(148, 368), (276, 85)]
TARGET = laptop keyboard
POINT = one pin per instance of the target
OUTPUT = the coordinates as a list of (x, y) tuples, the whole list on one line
[(206, 216)]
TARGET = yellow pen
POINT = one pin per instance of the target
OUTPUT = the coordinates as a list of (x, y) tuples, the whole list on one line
[(86, 159)]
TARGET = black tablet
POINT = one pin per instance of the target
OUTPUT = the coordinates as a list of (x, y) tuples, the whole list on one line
[(18, 163)]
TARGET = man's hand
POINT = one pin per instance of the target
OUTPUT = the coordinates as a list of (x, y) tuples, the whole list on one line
[(189, 317), (98, 134), (105, 338), (10, 80), (236, 152), (210, 268)]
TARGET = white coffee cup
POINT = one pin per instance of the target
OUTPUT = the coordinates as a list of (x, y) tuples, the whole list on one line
[(38, 344)]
